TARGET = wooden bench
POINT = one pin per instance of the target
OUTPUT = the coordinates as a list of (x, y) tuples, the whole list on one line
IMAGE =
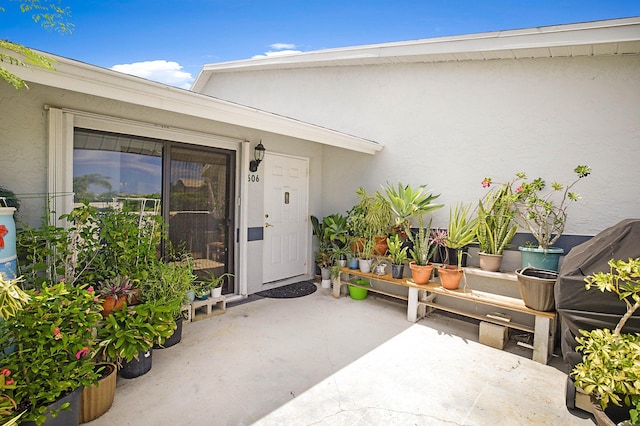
[(422, 296)]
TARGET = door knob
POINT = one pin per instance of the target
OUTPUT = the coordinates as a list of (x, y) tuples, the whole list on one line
[(267, 225)]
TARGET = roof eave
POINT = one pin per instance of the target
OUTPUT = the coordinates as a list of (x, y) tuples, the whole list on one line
[(92, 80), (560, 40)]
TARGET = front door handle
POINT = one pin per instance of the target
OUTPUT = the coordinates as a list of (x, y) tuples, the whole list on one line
[(267, 225)]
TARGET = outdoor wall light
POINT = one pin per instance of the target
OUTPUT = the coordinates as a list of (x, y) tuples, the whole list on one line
[(258, 155)]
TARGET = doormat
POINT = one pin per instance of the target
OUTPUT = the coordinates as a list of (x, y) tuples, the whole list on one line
[(289, 291)]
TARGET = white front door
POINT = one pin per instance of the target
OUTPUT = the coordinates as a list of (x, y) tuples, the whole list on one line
[(286, 215)]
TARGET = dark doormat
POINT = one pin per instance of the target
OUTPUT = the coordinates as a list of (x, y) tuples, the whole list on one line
[(289, 291)]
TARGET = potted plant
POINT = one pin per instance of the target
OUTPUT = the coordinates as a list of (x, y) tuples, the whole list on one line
[(216, 283), (460, 233), (496, 224), (365, 261), (324, 260), (421, 253), (170, 282), (128, 335), (544, 214), (114, 293), (341, 254), (370, 219), (610, 367), (398, 254), (55, 338), (406, 203)]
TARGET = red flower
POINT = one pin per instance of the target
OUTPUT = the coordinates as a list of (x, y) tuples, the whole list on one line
[(486, 182), (56, 333), (3, 231), (520, 188), (90, 289), (8, 382), (82, 352), (6, 372)]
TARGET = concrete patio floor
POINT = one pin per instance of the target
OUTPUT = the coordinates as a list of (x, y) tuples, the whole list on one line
[(317, 360)]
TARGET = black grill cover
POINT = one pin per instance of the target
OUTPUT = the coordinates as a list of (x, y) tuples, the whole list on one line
[(587, 310)]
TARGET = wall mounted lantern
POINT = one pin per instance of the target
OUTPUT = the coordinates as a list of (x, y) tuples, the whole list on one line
[(258, 155)]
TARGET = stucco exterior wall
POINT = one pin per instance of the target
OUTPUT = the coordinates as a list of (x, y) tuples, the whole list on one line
[(450, 124)]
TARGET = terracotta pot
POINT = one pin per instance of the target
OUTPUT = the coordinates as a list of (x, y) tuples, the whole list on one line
[(381, 245), (110, 303), (450, 277), (357, 245), (420, 274)]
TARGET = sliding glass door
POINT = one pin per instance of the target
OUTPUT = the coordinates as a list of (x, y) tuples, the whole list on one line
[(200, 210), (191, 186)]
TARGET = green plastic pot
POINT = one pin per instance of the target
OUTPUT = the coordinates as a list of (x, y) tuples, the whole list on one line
[(358, 293)]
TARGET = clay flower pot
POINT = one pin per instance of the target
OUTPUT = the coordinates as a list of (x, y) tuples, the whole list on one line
[(420, 274), (450, 276)]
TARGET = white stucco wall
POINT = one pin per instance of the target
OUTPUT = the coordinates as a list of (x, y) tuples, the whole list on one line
[(450, 124)]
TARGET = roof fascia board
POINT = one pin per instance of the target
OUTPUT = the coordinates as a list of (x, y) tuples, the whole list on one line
[(591, 33), (92, 80)]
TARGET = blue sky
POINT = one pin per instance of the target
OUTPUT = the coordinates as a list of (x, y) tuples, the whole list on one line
[(169, 41)]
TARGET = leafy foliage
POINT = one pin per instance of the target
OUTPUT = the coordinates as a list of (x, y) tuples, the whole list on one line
[(12, 297), (55, 337), (610, 367), (51, 16), (131, 331), (406, 202), (397, 250), (462, 226), (545, 214)]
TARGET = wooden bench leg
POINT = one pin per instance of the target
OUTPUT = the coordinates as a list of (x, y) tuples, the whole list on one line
[(412, 305), (541, 333), (337, 283)]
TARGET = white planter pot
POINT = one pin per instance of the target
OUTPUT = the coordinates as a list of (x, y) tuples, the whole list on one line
[(365, 265), (216, 291)]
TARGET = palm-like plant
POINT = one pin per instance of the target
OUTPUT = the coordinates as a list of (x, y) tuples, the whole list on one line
[(406, 202)]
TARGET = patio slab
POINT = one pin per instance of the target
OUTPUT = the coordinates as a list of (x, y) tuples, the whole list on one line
[(326, 361)]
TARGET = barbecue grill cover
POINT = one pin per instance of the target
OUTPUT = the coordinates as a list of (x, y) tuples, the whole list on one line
[(587, 310)]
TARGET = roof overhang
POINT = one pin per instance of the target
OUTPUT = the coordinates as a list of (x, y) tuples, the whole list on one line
[(92, 80), (610, 37)]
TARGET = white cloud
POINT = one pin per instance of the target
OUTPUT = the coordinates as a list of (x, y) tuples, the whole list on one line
[(278, 53), (162, 71), (282, 46)]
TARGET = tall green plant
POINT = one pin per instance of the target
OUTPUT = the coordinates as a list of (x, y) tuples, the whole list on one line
[(371, 217), (423, 247), (496, 225), (462, 226)]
